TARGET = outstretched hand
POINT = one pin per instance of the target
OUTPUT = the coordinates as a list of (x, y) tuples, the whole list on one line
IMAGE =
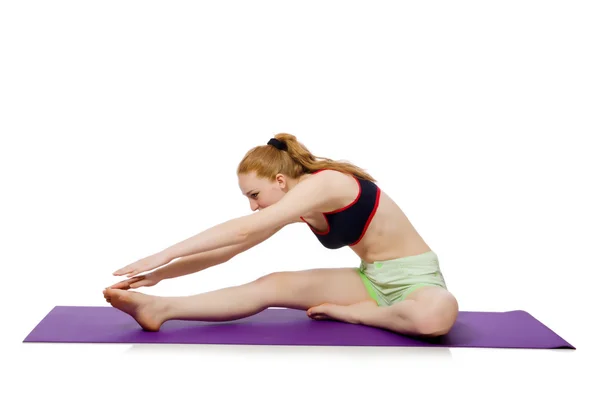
[(143, 265), (146, 280)]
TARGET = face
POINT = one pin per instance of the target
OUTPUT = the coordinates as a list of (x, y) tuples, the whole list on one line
[(261, 192)]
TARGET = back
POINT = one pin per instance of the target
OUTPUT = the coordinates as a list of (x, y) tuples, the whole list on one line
[(368, 221)]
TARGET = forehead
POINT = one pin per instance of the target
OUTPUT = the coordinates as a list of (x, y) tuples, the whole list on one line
[(250, 182)]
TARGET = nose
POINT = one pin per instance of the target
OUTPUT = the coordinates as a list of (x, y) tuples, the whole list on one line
[(253, 206)]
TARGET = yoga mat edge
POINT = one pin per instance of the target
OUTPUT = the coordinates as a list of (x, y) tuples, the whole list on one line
[(515, 329)]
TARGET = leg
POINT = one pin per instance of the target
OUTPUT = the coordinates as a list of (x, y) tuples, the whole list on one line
[(296, 290), (415, 300), (427, 311)]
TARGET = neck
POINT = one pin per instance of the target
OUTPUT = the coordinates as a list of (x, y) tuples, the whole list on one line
[(292, 182)]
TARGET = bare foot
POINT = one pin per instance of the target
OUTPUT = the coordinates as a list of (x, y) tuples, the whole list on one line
[(145, 309), (349, 314)]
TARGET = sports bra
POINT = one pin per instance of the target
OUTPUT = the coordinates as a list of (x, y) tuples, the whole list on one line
[(346, 226)]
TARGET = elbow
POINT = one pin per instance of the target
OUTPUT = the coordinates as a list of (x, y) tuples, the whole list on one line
[(242, 234), (244, 229)]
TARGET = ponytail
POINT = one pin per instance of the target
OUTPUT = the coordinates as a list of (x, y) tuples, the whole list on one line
[(286, 155)]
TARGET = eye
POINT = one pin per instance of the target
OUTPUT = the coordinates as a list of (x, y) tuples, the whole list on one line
[(253, 195)]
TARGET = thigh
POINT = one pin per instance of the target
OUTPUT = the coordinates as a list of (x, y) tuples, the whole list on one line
[(432, 295), (307, 288)]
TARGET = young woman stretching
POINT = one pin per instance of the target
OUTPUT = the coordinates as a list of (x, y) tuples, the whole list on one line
[(397, 286)]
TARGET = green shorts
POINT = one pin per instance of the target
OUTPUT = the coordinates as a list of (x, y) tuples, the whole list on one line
[(391, 281)]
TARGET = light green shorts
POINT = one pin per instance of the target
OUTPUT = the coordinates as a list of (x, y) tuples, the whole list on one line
[(391, 281)]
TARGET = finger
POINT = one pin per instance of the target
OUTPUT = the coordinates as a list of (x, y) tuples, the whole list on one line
[(127, 283), (120, 284), (132, 279), (127, 269), (132, 272), (122, 272)]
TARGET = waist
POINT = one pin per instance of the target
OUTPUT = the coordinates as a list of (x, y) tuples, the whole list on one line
[(427, 257)]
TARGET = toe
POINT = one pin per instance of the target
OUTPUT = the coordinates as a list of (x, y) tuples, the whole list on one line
[(318, 312), (321, 309), (112, 294), (313, 311)]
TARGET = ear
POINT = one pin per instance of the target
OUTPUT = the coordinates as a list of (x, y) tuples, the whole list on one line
[(314, 193), (281, 181)]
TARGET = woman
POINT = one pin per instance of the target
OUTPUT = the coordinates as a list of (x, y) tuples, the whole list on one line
[(398, 285)]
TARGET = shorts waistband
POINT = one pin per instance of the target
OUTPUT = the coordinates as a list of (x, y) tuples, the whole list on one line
[(425, 256)]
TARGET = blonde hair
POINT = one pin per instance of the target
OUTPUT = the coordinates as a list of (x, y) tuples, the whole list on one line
[(295, 160)]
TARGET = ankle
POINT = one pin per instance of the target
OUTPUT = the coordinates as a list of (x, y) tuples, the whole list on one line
[(163, 306)]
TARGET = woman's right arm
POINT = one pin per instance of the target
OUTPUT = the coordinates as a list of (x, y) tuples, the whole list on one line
[(195, 263)]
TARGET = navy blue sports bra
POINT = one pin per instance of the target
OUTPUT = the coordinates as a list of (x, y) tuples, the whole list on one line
[(347, 225)]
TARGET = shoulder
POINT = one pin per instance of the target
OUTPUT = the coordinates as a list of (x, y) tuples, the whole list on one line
[(324, 182), (313, 193), (316, 192), (335, 184), (331, 178)]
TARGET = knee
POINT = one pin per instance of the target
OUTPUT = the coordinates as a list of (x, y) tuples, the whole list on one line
[(272, 284), (436, 321), (432, 325), (271, 279), (280, 288), (268, 280)]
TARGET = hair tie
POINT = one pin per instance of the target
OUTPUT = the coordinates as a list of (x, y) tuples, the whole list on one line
[(278, 144)]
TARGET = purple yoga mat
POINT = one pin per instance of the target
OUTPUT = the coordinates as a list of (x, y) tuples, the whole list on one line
[(85, 324)]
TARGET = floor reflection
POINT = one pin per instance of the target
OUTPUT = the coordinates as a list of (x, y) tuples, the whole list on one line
[(270, 350)]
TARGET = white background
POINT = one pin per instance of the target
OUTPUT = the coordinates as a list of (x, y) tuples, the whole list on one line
[(123, 122)]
